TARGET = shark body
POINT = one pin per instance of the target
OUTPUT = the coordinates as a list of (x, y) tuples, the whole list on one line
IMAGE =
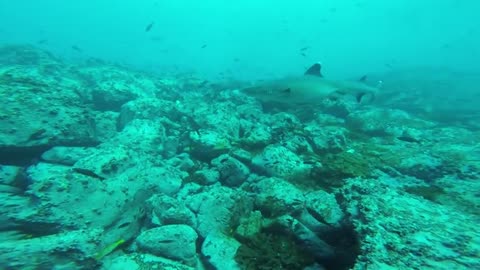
[(310, 89)]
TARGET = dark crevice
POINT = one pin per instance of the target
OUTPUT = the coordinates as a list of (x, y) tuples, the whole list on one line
[(347, 248), (34, 229), (24, 156), (21, 156), (277, 249)]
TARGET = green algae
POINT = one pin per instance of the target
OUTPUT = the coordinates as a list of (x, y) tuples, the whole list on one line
[(431, 193), (265, 251), (361, 161)]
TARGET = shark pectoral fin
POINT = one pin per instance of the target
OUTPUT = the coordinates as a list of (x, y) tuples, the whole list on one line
[(359, 96), (315, 70)]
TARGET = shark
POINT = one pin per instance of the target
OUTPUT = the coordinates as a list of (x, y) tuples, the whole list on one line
[(312, 88)]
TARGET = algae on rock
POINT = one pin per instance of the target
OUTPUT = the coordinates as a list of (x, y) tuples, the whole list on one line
[(266, 251)]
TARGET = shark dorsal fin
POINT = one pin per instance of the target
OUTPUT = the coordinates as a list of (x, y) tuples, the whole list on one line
[(315, 70)]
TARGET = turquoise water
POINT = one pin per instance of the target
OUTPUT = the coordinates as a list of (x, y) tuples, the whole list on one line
[(309, 135), (252, 39)]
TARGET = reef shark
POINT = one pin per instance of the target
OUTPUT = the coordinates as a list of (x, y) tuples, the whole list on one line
[(311, 89)]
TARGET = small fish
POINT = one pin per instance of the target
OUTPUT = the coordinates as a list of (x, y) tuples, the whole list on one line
[(108, 249), (303, 54), (408, 139), (202, 84), (42, 41), (149, 27), (203, 46), (76, 48), (304, 48)]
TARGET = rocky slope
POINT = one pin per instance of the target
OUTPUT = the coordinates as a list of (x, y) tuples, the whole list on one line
[(107, 168)]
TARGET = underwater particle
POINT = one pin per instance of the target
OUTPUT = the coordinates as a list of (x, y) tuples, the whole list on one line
[(149, 27)]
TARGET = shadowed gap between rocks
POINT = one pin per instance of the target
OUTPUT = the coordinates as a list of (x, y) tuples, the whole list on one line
[(273, 248), (21, 156)]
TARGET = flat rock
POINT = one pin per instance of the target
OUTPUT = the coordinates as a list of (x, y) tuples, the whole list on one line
[(177, 242)]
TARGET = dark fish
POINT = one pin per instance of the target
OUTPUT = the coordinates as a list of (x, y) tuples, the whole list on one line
[(408, 139), (149, 27), (76, 48), (304, 48), (42, 41), (203, 46), (303, 54), (202, 84)]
